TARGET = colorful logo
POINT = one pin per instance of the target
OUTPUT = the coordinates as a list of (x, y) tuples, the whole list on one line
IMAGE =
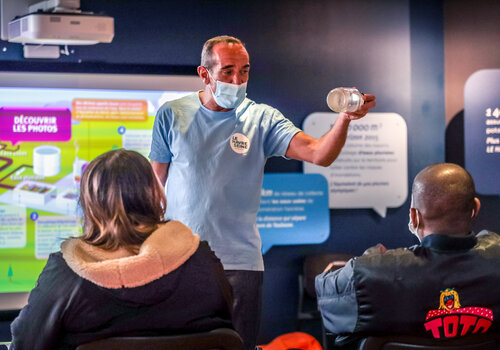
[(451, 320)]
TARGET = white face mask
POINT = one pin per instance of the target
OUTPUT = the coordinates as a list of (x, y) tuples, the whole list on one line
[(413, 229), (228, 95)]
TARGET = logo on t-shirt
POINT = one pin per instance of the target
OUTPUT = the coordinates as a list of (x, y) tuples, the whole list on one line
[(239, 143), (451, 320)]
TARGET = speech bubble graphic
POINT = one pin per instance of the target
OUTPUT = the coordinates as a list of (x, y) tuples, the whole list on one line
[(12, 226), (34, 124), (138, 140), (293, 210), (372, 169), (50, 231), (123, 110), (482, 129)]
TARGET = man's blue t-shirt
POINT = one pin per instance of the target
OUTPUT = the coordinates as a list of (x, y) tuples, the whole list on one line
[(216, 169)]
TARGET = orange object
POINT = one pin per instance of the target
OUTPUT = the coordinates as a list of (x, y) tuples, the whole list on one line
[(295, 340)]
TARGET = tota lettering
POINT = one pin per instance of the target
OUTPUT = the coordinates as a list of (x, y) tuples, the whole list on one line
[(455, 325)]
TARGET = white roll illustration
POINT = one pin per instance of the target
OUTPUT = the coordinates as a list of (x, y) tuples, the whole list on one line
[(46, 160)]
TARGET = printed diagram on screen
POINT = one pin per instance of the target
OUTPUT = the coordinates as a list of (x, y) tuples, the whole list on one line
[(47, 138), (46, 141)]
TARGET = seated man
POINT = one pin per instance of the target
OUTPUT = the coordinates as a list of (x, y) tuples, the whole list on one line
[(444, 287)]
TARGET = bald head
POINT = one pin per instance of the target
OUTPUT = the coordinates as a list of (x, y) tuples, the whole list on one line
[(444, 194)]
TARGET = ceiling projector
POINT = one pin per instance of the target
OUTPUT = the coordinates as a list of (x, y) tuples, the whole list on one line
[(45, 28)]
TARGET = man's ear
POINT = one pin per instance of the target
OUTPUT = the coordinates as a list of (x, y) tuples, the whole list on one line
[(475, 209), (414, 217), (203, 73)]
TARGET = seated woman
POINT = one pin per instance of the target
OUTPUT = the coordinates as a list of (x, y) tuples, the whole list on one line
[(131, 273)]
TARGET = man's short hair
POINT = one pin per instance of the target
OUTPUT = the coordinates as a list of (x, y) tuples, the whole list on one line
[(207, 59)]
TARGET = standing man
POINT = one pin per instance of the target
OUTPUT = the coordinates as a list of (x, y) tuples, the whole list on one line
[(212, 146)]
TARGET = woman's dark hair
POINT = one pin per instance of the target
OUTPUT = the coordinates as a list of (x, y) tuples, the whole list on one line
[(122, 200)]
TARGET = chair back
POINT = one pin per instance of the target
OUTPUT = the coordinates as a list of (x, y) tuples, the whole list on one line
[(474, 342), (220, 339), (316, 264)]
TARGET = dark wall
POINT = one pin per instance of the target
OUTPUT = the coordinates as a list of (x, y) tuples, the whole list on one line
[(299, 50), (467, 36)]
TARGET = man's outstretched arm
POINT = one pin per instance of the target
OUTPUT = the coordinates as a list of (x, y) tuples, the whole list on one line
[(325, 150)]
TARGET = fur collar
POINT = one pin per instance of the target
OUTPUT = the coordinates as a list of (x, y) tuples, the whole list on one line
[(163, 251)]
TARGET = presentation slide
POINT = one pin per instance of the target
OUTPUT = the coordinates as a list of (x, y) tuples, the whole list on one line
[(48, 135)]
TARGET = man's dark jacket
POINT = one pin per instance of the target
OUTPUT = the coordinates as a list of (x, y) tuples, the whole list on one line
[(393, 293)]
